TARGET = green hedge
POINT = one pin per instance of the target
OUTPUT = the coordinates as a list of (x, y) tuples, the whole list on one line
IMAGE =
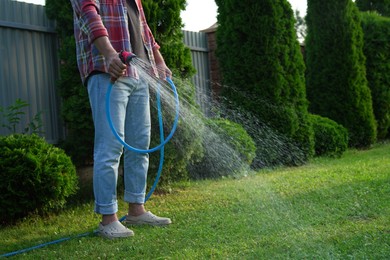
[(228, 151), (376, 30), (331, 138), (380, 6), (263, 68), (186, 143), (336, 81), (35, 177)]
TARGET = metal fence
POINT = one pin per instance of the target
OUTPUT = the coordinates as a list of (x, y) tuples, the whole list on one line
[(197, 42), (29, 65)]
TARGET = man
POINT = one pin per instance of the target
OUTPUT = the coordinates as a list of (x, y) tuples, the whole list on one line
[(102, 29)]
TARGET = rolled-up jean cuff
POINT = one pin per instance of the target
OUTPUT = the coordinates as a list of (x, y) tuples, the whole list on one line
[(138, 198), (106, 209)]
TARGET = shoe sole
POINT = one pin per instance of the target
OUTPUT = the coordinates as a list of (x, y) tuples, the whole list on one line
[(137, 223), (113, 237)]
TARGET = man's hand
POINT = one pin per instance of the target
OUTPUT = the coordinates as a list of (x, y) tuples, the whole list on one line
[(115, 66), (163, 70)]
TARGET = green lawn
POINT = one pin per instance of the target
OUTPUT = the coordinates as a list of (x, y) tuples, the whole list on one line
[(328, 209)]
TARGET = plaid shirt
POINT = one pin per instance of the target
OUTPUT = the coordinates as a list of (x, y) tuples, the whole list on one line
[(97, 18)]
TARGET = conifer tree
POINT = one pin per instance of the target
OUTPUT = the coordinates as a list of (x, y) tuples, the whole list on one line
[(336, 76), (165, 22), (380, 6), (262, 66), (376, 30)]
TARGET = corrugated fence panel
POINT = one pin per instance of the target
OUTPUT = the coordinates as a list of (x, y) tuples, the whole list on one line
[(197, 42), (29, 65)]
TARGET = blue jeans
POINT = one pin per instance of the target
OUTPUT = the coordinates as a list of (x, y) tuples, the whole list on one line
[(130, 113)]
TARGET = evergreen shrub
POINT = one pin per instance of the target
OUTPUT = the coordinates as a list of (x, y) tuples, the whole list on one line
[(331, 138), (380, 6), (376, 30), (228, 150), (185, 145), (336, 79), (35, 177), (263, 69)]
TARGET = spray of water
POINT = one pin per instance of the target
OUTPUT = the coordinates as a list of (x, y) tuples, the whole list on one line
[(220, 154), (273, 148)]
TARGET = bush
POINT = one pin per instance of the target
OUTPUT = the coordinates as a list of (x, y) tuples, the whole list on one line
[(376, 30), (263, 69), (237, 137), (331, 138), (336, 80), (228, 150), (186, 144), (380, 6), (35, 177)]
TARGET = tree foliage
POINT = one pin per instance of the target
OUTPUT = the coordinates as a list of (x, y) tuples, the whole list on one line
[(35, 177), (262, 66), (75, 108), (376, 30), (336, 77), (300, 25), (230, 151), (331, 138), (380, 6), (165, 22)]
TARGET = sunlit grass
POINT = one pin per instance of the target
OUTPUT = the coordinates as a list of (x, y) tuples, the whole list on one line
[(328, 209)]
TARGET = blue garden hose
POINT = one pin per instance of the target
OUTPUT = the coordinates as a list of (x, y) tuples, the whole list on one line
[(163, 142), (46, 244)]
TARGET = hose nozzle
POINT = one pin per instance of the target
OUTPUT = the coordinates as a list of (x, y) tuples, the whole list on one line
[(126, 57)]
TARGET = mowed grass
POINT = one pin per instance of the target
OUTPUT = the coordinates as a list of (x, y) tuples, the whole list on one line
[(327, 209)]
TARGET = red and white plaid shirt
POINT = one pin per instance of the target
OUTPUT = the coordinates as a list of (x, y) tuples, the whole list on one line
[(97, 18)]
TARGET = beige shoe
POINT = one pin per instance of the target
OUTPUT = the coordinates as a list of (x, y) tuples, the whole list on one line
[(114, 230), (148, 218)]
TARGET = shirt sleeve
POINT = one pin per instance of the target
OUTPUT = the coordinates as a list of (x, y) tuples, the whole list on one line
[(154, 44), (90, 22)]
